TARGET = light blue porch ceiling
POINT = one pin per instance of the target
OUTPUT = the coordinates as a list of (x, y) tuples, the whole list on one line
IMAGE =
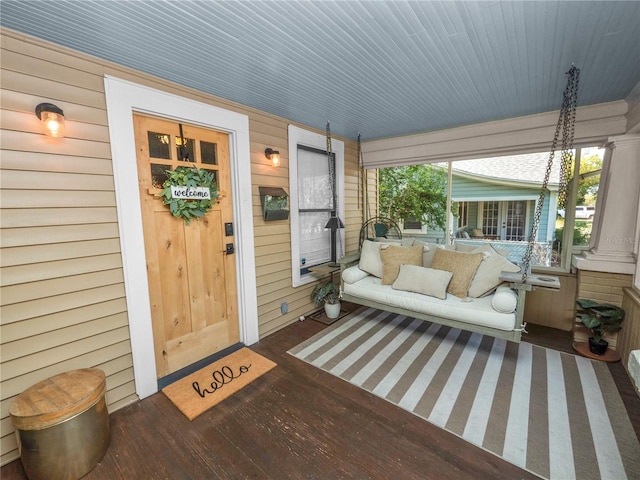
[(381, 68)]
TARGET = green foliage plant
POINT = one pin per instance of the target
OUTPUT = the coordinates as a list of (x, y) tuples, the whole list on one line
[(588, 184), (600, 318), (276, 203), (189, 177), (414, 191), (326, 293), (579, 238)]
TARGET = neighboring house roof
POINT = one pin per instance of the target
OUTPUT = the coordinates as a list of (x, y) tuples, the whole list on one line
[(529, 168)]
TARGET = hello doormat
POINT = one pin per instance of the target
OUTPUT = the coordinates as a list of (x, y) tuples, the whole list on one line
[(207, 387)]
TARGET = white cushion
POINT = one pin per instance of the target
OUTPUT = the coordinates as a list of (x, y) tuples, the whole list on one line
[(476, 311), (370, 260), (487, 277), (427, 281), (504, 300), (429, 250), (353, 274), (463, 247)]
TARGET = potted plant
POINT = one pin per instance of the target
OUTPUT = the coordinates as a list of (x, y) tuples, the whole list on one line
[(600, 318), (329, 295)]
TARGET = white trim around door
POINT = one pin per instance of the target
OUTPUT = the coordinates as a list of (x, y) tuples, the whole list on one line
[(123, 99)]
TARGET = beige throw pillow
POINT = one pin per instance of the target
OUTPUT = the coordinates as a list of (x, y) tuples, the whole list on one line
[(423, 280), (393, 256), (487, 278), (370, 260), (462, 265)]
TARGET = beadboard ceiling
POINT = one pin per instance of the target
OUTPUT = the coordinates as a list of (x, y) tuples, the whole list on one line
[(379, 68)]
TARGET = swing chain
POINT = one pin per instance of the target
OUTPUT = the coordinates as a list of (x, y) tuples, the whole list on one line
[(569, 106), (566, 121)]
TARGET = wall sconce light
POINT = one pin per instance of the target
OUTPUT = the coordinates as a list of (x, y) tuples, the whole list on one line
[(52, 119), (273, 155)]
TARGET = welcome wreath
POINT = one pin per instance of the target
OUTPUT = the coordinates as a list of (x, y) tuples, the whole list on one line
[(187, 180)]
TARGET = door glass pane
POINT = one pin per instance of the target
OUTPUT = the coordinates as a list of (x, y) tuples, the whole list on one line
[(315, 240), (490, 218), (515, 220), (463, 214), (186, 153), (158, 145), (209, 153), (158, 174), (215, 174), (314, 186)]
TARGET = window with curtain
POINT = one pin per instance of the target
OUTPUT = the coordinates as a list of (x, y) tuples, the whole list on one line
[(315, 206), (312, 202)]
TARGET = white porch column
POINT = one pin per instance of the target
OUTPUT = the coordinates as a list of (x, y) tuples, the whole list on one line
[(614, 237)]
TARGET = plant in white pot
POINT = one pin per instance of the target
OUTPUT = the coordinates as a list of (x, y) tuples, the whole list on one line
[(330, 296), (600, 318)]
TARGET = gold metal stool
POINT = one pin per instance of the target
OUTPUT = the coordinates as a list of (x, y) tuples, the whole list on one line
[(62, 425)]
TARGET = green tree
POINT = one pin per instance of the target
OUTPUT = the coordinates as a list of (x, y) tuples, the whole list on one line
[(588, 184), (418, 191)]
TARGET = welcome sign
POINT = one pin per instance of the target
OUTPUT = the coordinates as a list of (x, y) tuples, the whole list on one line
[(190, 193)]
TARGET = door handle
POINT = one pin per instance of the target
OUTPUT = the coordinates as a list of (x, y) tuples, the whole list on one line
[(229, 250)]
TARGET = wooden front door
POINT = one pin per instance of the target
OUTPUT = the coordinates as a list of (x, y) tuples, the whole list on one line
[(190, 268)]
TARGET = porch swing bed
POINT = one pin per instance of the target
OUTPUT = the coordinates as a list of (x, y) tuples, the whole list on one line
[(417, 281), (498, 314)]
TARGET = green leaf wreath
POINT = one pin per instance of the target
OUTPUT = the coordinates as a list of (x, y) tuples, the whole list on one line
[(189, 177)]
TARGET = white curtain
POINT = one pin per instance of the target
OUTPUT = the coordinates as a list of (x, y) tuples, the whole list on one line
[(314, 193)]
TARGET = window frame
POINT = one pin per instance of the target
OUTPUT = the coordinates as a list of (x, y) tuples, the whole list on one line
[(306, 138), (567, 254)]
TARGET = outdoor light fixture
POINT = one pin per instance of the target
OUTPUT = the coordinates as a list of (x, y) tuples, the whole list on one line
[(273, 155), (52, 119), (334, 223)]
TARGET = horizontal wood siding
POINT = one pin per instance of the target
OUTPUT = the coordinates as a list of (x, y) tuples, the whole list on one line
[(468, 189), (63, 304), (272, 238), (603, 286), (465, 188), (63, 298)]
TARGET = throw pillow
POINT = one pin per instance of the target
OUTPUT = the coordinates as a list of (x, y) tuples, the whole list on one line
[(353, 274), (487, 278), (428, 253), (504, 300), (462, 265), (462, 247), (423, 280), (370, 260), (393, 256)]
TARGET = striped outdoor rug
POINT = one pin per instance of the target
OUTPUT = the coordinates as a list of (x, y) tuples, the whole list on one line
[(557, 415)]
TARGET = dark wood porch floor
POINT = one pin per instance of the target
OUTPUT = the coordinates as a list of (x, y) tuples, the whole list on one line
[(298, 422)]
